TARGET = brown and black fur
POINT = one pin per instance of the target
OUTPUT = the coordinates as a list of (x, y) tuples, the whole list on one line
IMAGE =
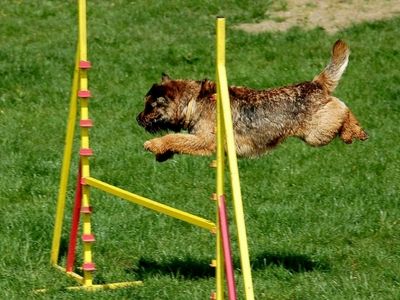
[(261, 118)]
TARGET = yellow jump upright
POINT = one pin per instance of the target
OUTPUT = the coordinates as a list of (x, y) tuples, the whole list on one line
[(79, 94), (79, 100), (225, 136)]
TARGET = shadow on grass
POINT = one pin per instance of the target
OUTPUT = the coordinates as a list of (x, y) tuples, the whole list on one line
[(190, 268), (187, 268), (294, 263), (63, 250)]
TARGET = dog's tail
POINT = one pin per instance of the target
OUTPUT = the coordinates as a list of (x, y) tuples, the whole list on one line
[(330, 76)]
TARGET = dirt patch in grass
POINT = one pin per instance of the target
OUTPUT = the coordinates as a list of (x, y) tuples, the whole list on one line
[(332, 15)]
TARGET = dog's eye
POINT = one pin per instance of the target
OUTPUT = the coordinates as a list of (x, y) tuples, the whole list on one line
[(161, 100)]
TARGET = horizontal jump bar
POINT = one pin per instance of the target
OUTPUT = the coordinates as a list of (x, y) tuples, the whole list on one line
[(150, 204)]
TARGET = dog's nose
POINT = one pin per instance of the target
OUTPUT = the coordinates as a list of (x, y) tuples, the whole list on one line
[(139, 119)]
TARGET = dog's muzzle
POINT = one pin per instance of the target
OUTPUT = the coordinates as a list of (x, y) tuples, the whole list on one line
[(151, 126), (140, 121)]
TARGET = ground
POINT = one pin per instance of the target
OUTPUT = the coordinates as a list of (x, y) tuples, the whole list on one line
[(332, 15), (322, 223)]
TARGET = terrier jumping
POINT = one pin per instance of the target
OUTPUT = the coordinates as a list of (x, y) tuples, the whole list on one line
[(261, 118)]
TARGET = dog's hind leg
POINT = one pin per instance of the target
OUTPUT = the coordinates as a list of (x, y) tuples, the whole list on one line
[(333, 119), (325, 123), (351, 129)]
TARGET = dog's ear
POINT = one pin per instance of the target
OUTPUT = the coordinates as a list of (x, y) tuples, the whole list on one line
[(165, 77), (207, 88)]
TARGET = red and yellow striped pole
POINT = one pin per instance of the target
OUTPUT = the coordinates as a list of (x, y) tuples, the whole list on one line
[(85, 150)]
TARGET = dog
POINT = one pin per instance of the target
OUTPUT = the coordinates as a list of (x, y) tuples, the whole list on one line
[(262, 119)]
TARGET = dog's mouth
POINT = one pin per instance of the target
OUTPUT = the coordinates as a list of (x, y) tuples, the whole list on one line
[(153, 126), (156, 125)]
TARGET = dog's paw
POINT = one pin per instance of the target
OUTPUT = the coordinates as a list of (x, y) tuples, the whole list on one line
[(157, 147)]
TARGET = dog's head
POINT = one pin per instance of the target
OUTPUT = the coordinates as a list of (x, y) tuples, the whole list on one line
[(161, 106), (166, 104)]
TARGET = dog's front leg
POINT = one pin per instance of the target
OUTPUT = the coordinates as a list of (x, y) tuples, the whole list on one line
[(165, 147)]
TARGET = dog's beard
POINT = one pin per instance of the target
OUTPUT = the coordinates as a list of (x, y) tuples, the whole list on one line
[(160, 125)]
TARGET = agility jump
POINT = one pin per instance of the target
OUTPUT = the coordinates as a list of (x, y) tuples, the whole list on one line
[(82, 206)]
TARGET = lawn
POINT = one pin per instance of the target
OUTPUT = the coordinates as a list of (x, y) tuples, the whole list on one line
[(322, 223)]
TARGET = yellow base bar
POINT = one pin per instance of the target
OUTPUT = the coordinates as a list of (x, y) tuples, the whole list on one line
[(107, 286), (167, 210), (73, 275), (94, 287), (98, 287)]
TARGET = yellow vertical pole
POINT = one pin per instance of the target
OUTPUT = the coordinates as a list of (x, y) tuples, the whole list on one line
[(232, 160), (66, 163), (220, 178), (219, 193), (85, 151)]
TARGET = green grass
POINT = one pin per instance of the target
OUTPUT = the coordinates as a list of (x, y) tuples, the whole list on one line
[(322, 223)]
